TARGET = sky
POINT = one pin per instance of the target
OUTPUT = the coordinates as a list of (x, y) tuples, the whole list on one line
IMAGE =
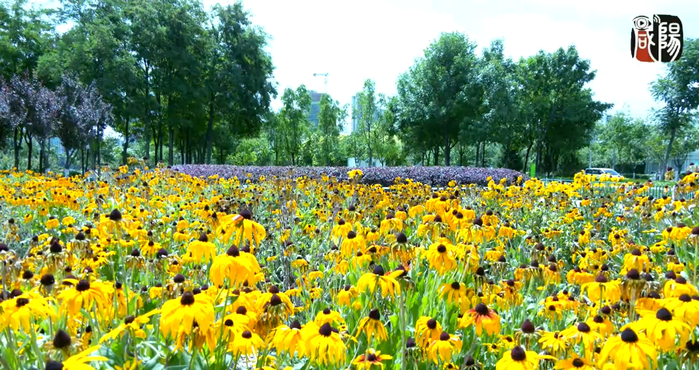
[(379, 39)]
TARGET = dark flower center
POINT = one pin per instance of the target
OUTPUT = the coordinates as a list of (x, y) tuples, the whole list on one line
[(61, 340), (633, 274), (203, 238), (583, 327), (528, 327), (325, 330), (441, 248), (22, 302), (401, 238), (432, 323), (115, 215), (371, 357), (26, 275), (578, 362), (518, 354), (295, 325), (598, 319), (241, 310), (187, 299), (455, 285), (663, 314), (481, 309), (378, 270), (275, 300), (444, 336), (83, 285), (374, 314), (54, 365), (685, 298), (233, 251), (129, 319), (246, 214), (629, 336), (179, 278), (410, 343), (601, 278), (351, 235), (273, 289), (247, 334)]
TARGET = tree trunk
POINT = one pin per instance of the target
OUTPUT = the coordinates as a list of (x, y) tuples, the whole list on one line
[(171, 149), (42, 149), (447, 147), (526, 157), (17, 146), (98, 155), (478, 152), (146, 117), (29, 150), (436, 155), (673, 132), (125, 155), (210, 130), (182, 151)]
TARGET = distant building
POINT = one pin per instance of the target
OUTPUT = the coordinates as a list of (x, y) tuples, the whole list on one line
[(315, 108)]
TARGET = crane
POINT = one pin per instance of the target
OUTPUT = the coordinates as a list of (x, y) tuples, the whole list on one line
[(326, 79)]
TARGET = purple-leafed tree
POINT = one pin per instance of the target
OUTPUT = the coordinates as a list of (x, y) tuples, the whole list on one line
[(29, 112)]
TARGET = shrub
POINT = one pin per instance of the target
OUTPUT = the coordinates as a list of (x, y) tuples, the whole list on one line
[(385, 176)]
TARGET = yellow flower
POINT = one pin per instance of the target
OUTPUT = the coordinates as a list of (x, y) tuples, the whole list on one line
[(179, 314), (78, 361), (246, 344), (289, 339), (355, 173), (444, 348), (18, 312), (630, 350), (85, 295), (427, 330), (202, 250), (323, 345), (483, 318), (369, 359), (663, 329), (388, 284), (372, 327)]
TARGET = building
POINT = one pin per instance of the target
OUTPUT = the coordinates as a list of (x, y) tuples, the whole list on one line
[(315, 108)]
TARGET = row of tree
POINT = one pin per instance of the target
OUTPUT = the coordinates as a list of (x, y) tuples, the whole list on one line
[(198, 83)]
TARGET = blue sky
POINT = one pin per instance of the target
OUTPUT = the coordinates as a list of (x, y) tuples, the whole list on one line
[(379, 39)]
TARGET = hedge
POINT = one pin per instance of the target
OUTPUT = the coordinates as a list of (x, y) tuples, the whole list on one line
[(435, 176)]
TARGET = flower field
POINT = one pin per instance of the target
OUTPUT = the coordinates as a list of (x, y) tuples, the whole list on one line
[(158, 269)]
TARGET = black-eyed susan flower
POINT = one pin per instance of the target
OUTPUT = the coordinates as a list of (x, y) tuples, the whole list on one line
[(427, 330), (482, 318), (629, 350), (77, 362), (519, 359), (582, 334), (289, 339), (575, 363), (180, 314), (369, 359), (18, 312), (202, 250), (236, 266), (663, 329), (372, 326), (245, 344), (441, 256), (85, 295), (444, 348), (554, 342), (387, 284), (323, 345)]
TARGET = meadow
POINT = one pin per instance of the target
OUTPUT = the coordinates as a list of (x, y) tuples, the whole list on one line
[(161, 269)]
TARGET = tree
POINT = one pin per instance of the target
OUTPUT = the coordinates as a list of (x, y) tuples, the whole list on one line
[(238, 73), (31, 113), (372, 131), (623, 138), (82, 116), (560, 111), (444, 91), (293, 120), (25, 35), (679, 91), (331, 118)]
